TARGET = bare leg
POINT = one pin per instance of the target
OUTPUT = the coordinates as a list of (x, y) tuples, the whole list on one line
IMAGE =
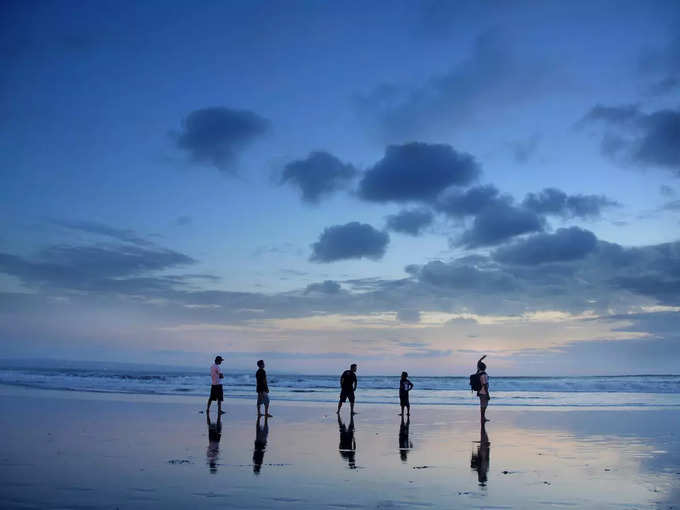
[(339, 406), (207, 409), (351, 408), (219, 408), (408, 409), (266, 411)]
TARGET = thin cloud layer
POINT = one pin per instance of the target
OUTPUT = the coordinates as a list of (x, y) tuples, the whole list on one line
[(410, 222), (351, 241), (325, 287), (215, 136), (417, 172), (318, 175)]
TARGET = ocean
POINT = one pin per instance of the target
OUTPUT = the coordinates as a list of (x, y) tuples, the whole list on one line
[(584, 391)]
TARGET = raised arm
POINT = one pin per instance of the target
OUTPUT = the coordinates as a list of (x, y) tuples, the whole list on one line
[(481, 359)]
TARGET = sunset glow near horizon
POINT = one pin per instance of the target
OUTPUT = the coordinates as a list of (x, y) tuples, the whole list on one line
[(405, 185)]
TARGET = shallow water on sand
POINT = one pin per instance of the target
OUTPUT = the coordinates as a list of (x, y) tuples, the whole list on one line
[(75, 451)]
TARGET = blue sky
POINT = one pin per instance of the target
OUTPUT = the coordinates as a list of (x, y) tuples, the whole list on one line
[(404, 184)]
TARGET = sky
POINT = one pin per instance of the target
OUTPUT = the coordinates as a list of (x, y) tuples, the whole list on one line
[(405, 185)]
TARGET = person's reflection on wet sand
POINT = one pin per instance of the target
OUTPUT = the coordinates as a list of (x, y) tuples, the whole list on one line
[(214, 436), (480, 459), (404, 444), (261, 433), (348, 445)]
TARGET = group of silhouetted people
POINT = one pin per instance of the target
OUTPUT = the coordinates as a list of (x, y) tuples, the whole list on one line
[(347, 447)]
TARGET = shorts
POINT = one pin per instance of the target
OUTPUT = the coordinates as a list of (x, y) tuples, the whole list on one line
[(484, 400), (262, 398), (403, 399), (347, 394), (216, 393)]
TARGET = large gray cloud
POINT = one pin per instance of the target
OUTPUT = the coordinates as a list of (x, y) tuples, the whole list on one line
[(565, 244), (557, 202), (215, 136), (417, 172), (638, 137), (353, 240), (498, 222), (411, 221), (317, 175)]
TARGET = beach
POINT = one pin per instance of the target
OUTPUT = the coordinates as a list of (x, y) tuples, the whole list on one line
[(90, 450)]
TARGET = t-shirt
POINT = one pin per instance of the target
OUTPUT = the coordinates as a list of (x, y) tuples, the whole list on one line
[(348, 380), (405, 386), (261, 378), (483, 379), (215, 375)]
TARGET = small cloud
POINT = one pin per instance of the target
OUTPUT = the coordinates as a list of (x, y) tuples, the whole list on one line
[(319, 174), (410, 222), (557, 202), (417, 172), (92, 227), (215, 136), (499, 222), (666, 191), (351, 241), (523, 150), (470, 202)]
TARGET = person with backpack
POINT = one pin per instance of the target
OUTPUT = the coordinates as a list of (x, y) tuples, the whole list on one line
[(481, 385)]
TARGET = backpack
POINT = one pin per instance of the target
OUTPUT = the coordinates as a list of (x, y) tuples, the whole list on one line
[(475, 382)]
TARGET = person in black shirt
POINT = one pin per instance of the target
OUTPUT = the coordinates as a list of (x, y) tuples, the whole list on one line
[(348, 385), (262, 389), (404, 387)]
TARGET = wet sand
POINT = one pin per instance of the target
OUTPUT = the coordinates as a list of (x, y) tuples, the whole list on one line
[(77, 450)]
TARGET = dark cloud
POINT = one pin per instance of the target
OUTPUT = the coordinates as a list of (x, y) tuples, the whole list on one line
[(92, 227), (417, 172), (351, 241), (410, 221), (115, 268), (214, 136), (491, 79), (470, 202), (638, 137), (557, 202), (325, 287), (465, 277), (319, 174), (662, 66), (565, 244), (499, 222)]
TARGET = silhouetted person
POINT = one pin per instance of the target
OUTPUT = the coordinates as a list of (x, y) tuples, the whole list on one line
[(480, 459), (262, 389), (261, 434), (216, 391), (483, 392), (214, 436), (404, 444), (348, 385), (348, 446), (404, 387)]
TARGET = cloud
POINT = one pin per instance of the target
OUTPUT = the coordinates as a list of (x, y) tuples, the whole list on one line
[(412, 316), (410, 222), (215, 136), (116, 268), (662, 65), (523, 150), (499, 222), (351, 241), (319, 174), (638, 137), (471, 202), (565, 244), (666, 191), (182, 221), (465, 277), (491, 79), (92, 227), (325, 287), (417, 172), (557, 202)]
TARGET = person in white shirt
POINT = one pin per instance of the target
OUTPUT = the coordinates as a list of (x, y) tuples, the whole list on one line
[(216, 391), (483, 392)]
